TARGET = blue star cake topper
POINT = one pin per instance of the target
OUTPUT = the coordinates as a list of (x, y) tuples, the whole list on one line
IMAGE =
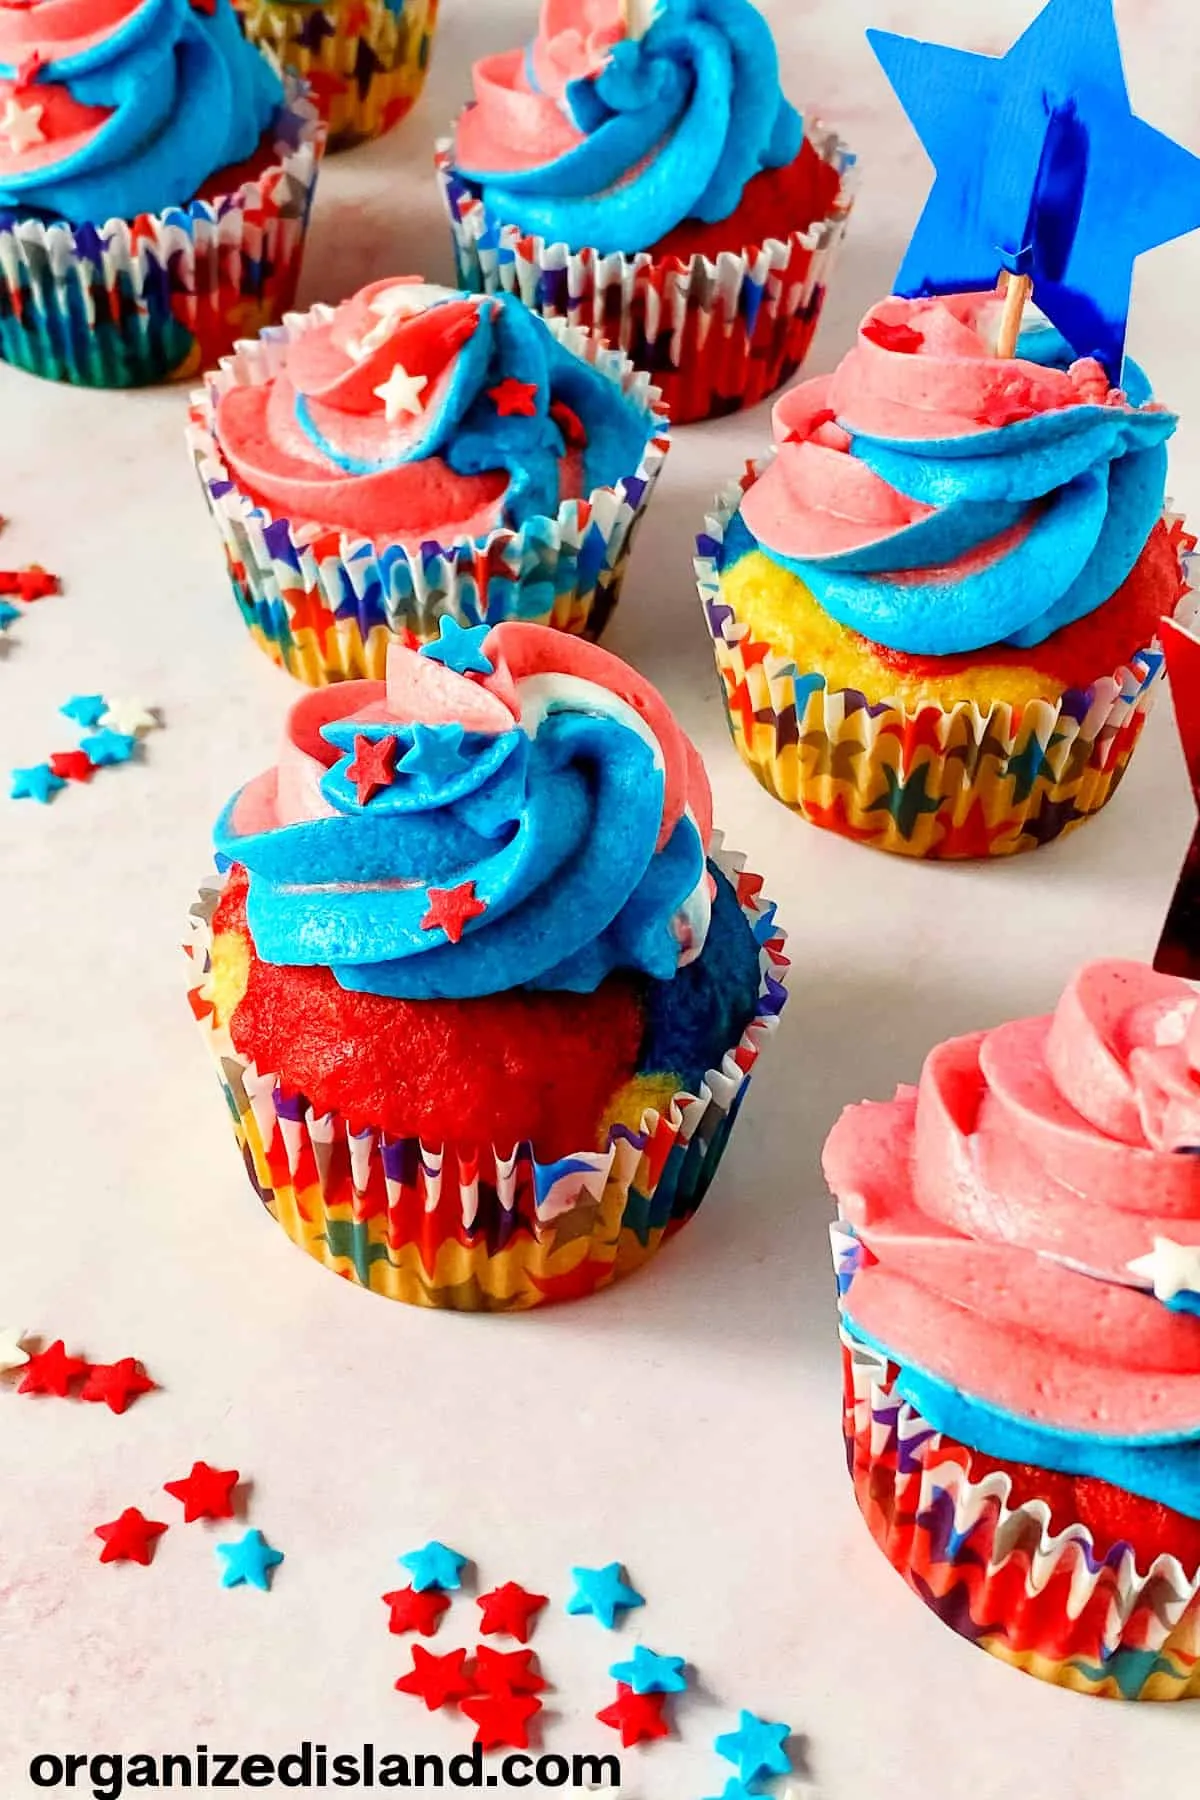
[(1042, 169)]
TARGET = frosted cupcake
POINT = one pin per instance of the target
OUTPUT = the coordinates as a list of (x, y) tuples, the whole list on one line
[(935, 609), (155, 184), (364, 61), (1019, 1278), (415, 454), (658, 188), (483, 995)]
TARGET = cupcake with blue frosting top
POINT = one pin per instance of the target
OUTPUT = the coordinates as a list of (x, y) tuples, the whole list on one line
[(129, 132), (483, 994), (640, 170), (416, 454), (935, 610)]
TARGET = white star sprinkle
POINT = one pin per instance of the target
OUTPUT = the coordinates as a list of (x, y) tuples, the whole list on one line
[(12, 1356), (129, 717), (1173, 1268), (401, 393), (21, 126), (404, 298)]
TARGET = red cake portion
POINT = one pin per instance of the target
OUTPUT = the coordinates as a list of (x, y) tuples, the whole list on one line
[(774, 204), (553, 1061)]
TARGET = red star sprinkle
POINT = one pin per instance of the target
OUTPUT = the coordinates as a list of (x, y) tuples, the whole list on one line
[(638, 1717), (515, 397), (1007, 408), (570, 424), (116, 1383), (416, 1612), (502, 1719), (130, 1538), (206, 1493), (508, 1611), (436, 1680), (28, 584), (450, 909), (28, 67), (373, 766), (72, 765), (51, 1371), (507, 1671), (893, 337)]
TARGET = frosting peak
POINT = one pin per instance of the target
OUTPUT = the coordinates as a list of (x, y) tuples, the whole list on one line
[(939, 499), (595, 138), (512, 808)]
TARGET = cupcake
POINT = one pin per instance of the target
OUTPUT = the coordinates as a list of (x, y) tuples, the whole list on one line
[(1019, 1282), (364, 61), (656, 187), (482, 992), (935, 609), (416, 454), (155, 185)]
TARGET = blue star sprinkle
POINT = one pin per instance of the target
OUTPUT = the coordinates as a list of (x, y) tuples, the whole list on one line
[(1043, 169), (756, 1747), (434, 1567), (436, 753), (604, 1592), (39, 783), (9, 614), (85, 709), (248, 1562), (460, 648), (648, 1673), (104, 748)]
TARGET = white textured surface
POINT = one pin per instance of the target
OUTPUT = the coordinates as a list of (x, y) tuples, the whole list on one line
[(686, 1423)]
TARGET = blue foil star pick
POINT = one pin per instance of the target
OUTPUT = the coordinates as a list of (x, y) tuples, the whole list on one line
[(435, 1566), (604, 1592), (435, 752), (460, 647), (1043, 169), (248, 1562), (756, 1748)]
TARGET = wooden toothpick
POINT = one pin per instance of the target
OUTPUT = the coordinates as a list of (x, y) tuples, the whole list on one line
[(1017, 296), (636, 17)]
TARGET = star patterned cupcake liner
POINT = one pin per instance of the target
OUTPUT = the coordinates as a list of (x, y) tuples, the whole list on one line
[(326, 605), (1046, 1601), (717, 334), (491, 1230), (129, 303), (365, 61), (944, 783)]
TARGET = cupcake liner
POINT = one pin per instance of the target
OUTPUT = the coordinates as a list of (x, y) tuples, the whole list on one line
[(716, 334), (364, 61), (1045, 1601), (488, 1230), (326, 605), (129, 303), (945, 783)]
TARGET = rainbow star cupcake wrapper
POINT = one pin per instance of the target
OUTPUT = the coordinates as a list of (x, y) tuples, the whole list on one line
[(1045, 1601), (716, 334), (944, 783), (133, 302), (489, 1230), (326, 605), (364, 61)]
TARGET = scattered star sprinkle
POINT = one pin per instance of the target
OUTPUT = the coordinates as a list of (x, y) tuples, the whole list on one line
[(515, 398), (1173, 1268), (502, 1720), (38, 783), (116, 1384), (129, 717), (373, 767), (9, 614), (33, 583), (756, 1748), (460, 647), (248, 1562), (131, 1538), (72, 765), (603, 1593), (638, 1717), (105, 748), (434, 1566), (452, 909), (648, 1673), (13, 1354), (437, 1680), (85, 710), (51, 1371), (507, 1671), (401, 393), (411, 1611), (206, 1493), (509, 1611)]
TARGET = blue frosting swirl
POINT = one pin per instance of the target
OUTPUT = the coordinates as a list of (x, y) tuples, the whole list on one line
[(675, 125), (555, 834), (1087, 484), (188, 96)]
